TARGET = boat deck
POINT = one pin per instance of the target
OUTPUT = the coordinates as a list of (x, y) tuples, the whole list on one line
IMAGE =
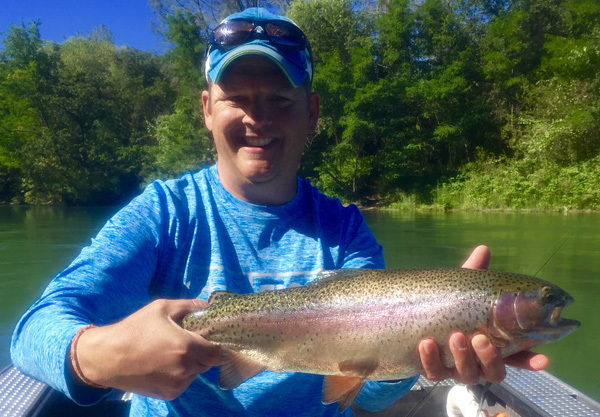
[(521, 394)]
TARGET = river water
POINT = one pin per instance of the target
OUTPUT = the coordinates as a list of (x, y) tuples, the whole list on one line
[(37, 242)]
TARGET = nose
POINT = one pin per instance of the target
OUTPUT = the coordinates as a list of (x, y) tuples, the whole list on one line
[(258, 114)]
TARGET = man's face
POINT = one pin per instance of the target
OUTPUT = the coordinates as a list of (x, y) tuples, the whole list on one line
[(259, 124)]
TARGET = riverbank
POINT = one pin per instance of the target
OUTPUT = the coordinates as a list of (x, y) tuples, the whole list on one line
[(411, 206), (511, 185)]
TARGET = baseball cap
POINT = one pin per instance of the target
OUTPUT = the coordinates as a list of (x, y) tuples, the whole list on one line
[(256, 31)]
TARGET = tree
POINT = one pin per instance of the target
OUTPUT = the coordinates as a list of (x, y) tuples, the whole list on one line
[(512, 50), (22, 63), (561, 119), (340, 154), (22, 45), (92, 149), (208, 13), (75, 118), (182, 142)]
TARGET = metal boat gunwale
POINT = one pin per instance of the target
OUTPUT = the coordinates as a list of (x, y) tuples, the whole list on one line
[(522, 394)]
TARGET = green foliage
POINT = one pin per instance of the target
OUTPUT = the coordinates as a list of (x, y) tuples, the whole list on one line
[(182, 143), (340, 154), (74, 118), (461, 104), (498, 183), (563, 123), (182, 146)]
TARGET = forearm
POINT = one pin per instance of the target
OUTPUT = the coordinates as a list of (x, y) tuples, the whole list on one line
[(106, 282), (40, 348)]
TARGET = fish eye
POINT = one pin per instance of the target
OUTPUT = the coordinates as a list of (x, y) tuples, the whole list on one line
[(548, 295)]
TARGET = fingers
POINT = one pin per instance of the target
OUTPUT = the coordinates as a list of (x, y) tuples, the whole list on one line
[(205, 353), (492, 365), (431, 364), (467, 369), (163, 358), (528, 360), (473, 361), (479, 258)]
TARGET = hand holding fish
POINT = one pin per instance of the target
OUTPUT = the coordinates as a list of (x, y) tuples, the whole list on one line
[(147, 352), (480, 359)]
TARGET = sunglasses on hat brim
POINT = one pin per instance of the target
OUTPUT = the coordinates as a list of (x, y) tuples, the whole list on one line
[(237, 32)]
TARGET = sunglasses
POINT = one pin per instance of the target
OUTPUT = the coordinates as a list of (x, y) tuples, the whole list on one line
[(238, 32)]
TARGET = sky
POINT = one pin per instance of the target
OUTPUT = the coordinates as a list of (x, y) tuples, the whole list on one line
[(129, 20)]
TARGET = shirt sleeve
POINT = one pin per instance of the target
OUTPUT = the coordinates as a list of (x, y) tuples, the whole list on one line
[(360, 248), (107, 281), (377, 395)]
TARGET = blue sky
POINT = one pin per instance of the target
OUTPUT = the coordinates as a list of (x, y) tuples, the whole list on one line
[(129, 20)]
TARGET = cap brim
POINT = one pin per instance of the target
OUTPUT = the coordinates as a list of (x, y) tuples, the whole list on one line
[(294, 74)]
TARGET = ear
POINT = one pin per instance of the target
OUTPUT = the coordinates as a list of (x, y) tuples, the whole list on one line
[(313, 116), (207, 109)]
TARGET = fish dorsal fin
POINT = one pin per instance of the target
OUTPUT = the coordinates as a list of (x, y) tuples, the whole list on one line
[(341, 389), (220, 296), (336, 274), (236, 368)]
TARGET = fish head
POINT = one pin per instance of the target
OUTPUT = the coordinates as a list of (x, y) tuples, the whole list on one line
[(529, 314)]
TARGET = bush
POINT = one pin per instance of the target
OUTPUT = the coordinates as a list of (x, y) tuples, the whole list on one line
[(523, 185)]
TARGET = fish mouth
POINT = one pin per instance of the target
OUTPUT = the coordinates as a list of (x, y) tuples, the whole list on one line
[(549, 325), (557, 327), (556, 320), (555, 317)]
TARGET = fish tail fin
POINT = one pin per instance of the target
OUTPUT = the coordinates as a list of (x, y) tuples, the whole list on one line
[(341, 389), (236, 368)]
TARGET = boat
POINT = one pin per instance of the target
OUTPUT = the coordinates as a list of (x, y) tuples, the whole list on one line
[(522, 394)]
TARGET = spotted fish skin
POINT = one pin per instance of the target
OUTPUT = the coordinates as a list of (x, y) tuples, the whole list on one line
[(366, 324)]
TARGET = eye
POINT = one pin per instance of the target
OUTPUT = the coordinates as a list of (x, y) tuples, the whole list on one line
[(279, 100), (549, 296), (237, 101)]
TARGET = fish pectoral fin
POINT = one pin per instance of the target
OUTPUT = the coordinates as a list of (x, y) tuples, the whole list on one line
[(236, 368), (341, 389)]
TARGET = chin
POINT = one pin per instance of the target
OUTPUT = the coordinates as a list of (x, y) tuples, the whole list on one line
[(260, 178), (260, 174)]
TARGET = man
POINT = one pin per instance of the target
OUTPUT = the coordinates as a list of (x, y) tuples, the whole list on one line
[(111, 319)]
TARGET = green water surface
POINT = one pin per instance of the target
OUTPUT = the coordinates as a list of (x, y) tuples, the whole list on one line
[(563, 249), (37, 242)]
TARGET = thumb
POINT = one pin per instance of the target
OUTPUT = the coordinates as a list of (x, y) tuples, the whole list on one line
[(180, 308), (479, 258)]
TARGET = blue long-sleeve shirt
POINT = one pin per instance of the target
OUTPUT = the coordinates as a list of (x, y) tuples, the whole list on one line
[(187, 238)]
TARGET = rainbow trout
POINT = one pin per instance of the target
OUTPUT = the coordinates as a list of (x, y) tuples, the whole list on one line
[(361, 324)]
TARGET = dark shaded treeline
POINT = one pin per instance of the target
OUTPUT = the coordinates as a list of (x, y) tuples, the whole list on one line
[(472, 104)]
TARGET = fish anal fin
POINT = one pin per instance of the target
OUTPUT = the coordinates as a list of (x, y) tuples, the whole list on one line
[(236, 368), (220, 295), (341, 389)]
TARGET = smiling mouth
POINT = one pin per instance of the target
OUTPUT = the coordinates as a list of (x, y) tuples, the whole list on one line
[(258, 141)]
